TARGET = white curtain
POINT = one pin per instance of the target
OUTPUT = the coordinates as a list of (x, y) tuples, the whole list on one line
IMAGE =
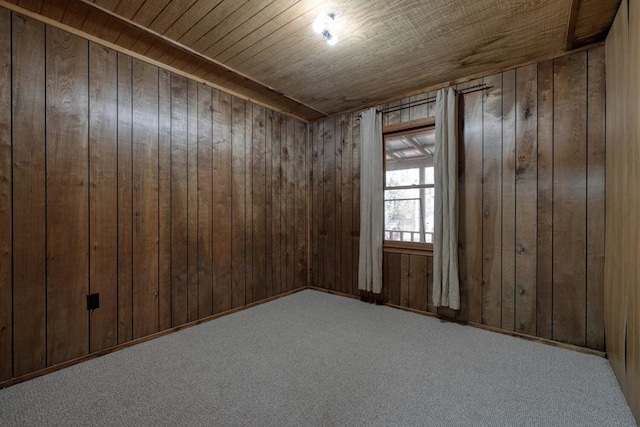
[(446, 289), (371, 202)]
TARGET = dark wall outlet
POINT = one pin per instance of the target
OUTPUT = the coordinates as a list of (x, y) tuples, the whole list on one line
[(93, 301)]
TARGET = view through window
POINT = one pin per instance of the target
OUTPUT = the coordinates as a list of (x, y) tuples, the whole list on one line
[(409, 182)]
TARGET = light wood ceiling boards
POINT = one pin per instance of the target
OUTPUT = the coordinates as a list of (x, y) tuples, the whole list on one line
[(387, 48)]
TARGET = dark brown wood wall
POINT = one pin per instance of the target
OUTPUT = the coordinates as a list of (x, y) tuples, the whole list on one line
[(622, 274), (172, 200), (532, 210)]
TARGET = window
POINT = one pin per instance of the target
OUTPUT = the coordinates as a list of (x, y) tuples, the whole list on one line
[(409, 187)]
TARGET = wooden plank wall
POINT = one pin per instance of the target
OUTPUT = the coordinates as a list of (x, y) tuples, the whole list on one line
[(622, 272), (172, 200), (531, 203)]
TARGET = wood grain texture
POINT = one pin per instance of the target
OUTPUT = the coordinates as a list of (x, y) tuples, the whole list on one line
[(248, 197), (6, 206), (222, 202), (125, 199), (179, 210), (300, 220), (510, 236), (526, 200), (596, 96), (164, 200), (405, 276), (238, 209), (103, 195), (115, 151), (544, 309), (270, 120), (621, 230), (205, 200), (29, 198), (145, 199), (67, 177), (418, 282), (346, 197), (291, 204), (277, 236), (258, 168), (192, 201), (569, 189), (633, 325), (470, 205), (492, 203), (329, 217), (508, 199)]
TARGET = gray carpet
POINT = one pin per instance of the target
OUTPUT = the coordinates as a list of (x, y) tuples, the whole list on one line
[(313, 359)]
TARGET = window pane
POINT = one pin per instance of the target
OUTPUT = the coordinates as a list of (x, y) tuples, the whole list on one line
[(408, 215), (409, 158)]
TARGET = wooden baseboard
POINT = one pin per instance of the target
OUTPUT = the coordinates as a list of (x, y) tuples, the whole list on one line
[(50, 369)]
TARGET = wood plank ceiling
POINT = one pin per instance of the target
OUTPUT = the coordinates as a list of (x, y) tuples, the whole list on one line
[(267, 51)]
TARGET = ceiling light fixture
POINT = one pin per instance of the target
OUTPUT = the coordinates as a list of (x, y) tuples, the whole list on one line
[(323, 24)]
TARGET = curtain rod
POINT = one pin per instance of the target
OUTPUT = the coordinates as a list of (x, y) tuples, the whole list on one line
[(470, 89)]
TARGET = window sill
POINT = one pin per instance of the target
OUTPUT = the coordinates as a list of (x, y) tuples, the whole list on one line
[(407, 248)]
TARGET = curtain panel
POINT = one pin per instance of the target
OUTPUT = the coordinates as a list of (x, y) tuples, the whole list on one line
[(446, 288), (371, 202)]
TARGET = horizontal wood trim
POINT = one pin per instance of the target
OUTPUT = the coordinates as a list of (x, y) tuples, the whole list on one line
[(408, 126), (50, 369), (502, 331), (407, 247)]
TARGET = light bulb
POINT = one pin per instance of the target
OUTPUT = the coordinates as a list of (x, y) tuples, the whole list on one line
[(322, 22), (331, 39)]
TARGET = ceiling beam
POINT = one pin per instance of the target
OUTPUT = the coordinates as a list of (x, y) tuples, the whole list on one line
[(571, 25)]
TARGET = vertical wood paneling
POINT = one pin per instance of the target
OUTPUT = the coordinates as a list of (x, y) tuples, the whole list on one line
[(338, 161), (103, 191), (514, 160), (405, 273), (67, 196), (222, 202), (238, 207), (145, 199), (355, 241), (258, 200), (508, 199), (595, 198), (164, 200), (347, 203), (393, 277), (248, 196), (270, 120), (470, 220), (492, 203), (276, 203), (569, 195), (205, 201), (179, 212), (618, 190), (329, 203), (291, 204), (6, 208), (167, 189), (544, 304), (125, 199), (418, 282), (192, 201), (301, 189), (316, 208), (29, 215), (526, 199)]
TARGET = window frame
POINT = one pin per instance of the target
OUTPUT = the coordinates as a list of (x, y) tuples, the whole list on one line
[(428, 123)]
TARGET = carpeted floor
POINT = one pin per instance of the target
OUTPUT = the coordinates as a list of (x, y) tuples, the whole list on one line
[(313, 359)]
